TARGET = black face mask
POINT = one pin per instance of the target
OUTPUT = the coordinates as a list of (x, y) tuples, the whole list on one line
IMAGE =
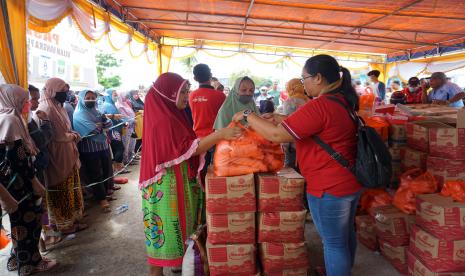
[(61, 97), (90, 104)]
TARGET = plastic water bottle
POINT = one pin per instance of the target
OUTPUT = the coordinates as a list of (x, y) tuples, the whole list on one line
[(121, 209)]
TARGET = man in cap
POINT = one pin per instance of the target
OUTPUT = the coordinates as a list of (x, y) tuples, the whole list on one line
[(444, 92)]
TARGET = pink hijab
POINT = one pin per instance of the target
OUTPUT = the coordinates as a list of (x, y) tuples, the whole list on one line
[(124, 107), (12, 126), (64, 155)]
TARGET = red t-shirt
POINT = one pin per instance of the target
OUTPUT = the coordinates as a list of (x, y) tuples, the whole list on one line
[(205, 104), (415, 97), (332, 123)]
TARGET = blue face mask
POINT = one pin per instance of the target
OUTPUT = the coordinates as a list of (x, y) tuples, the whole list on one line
[(245, 99)]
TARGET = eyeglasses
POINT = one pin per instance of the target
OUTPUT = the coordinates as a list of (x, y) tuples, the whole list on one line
[(302, 79)]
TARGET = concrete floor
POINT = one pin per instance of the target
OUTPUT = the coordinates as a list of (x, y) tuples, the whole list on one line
[(114, 244)]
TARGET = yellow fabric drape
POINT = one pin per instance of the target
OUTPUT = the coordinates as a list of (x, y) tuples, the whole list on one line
[(381, 68), (164, 58), (6, 63), (16, 10)]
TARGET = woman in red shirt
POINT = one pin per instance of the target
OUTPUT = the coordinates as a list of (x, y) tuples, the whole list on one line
[(333, 191), (413, 91)]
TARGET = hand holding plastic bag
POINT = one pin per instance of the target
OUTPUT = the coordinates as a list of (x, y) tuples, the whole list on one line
[(250, 153)]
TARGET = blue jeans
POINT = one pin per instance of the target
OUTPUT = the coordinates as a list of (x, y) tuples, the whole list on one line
[(334, 218)]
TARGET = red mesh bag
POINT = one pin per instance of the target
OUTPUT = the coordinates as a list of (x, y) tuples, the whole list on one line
[(372, 198), (454, 189)]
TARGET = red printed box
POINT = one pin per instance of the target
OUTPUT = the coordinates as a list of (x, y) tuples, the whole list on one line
[(396, 255), (446, 169), (447, 142), (230, 194), (231, 228), (281, 192), (441, 216), (366, 231), (392, 225), (439, 255), (237, 258), (417, 268), (276, 257), (418, 134), (289, 272), (411, 159), (281, 226)]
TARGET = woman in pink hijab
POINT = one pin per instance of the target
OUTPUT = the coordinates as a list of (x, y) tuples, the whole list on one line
[(64, 195), (129, 141)]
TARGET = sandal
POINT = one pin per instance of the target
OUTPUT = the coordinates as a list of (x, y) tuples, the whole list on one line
[(77, 228), (116, 188), (105, 207), (111, 198), (12, 264), (124, 172), (45, 265), (176, 270)]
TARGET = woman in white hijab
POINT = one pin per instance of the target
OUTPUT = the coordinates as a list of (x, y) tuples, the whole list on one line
[(21, 192)]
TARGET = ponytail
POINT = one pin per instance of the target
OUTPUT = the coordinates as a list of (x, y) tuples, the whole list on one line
[(350, 95)]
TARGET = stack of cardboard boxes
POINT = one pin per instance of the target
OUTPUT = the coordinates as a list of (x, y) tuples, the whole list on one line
[(397, 143), (437, 242), (231, 205), (281, 222), (393, 234)]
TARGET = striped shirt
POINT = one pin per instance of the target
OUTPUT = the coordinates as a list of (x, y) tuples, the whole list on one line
[(88, 145)]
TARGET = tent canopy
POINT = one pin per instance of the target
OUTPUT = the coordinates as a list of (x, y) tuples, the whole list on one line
[(392, 28)]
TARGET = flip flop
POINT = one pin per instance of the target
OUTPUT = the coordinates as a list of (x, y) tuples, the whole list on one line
[(45, 265), (116, 188), (111, 198), (77, 228)]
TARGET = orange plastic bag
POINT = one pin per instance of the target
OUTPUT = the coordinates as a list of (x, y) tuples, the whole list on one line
[(412, 183), (248, 154), (454, 189), (4, 240), (372, 198), (380, 125)]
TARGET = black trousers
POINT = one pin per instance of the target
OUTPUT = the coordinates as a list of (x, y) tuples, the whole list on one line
[(117, 147), (97, 167)]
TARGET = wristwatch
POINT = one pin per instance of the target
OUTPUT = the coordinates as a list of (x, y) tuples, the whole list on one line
[(246, 113)]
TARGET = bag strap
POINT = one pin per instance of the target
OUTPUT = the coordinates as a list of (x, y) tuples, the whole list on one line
[(334, 154)]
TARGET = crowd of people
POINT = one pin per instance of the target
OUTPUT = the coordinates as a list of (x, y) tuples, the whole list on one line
[(57, 147)]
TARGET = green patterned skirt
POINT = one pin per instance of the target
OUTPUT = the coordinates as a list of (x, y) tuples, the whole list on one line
[(172, 208)]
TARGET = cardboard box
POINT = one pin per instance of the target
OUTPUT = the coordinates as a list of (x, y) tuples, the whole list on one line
[(418, 134), (281, 192), (231, 228), (230, 194), (366, 231), (392, 225), (281, 226), (417, 268), (412, 159), (441, 216), (446, 169), (398, 133), (447, 142), (224, 259), (278, 256), (396, 255), (439, 255), (289, 272), (396, 153)]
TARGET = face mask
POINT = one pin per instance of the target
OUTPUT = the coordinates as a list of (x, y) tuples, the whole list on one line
[(89, 104), (245, 99), (61, 97), (411, 89), (115, 99)]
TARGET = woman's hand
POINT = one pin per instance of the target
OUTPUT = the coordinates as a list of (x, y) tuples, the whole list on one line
[(41, 115), (239, 116), (230, 133), (276, 119), (38, 188), (9, 204)]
